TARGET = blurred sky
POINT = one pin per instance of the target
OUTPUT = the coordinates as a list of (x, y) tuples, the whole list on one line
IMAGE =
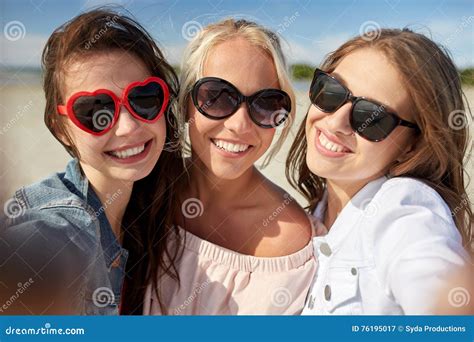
[(310, 28)]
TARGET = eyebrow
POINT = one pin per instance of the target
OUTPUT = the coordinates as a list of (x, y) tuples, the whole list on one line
[(339, 78)]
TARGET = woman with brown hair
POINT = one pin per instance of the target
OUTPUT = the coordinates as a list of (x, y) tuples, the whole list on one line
[(109, 94), (379, 158)]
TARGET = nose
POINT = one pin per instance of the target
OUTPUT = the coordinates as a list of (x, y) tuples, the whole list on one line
[(240, 122), (338, 122), (126, 123)]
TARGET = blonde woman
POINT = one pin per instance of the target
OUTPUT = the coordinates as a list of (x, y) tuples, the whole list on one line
[(247, 250)]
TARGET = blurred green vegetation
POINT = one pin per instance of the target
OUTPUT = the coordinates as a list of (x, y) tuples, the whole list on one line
[(298, 72), (301, 71), (467, 76)]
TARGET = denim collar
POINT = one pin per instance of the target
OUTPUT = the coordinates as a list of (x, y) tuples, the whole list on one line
[(78, 184)]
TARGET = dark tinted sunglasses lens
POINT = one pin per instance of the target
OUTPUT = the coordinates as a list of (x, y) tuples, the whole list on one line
[(270, 108), (147, 100), (95, 113), (371, 121), (327, 93), (217, 99)]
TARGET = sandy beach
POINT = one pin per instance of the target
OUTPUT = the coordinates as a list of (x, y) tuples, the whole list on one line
[(29, 152)]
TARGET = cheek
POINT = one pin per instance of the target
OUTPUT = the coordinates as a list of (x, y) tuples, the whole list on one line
[(159, 131), (314, 115), (266, 137), (87, 144), (201, 128), (379, 156)]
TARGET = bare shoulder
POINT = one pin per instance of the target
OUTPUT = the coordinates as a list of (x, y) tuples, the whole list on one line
[(286, 228)]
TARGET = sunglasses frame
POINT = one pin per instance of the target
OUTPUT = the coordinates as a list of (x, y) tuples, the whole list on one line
[(68, 110), (355, 99), (241, 99)]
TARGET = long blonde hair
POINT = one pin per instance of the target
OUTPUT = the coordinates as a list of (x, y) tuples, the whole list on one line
[(198, 50), (434, 85)]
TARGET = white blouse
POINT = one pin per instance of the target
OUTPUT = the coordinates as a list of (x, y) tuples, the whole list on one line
[(389, 252)]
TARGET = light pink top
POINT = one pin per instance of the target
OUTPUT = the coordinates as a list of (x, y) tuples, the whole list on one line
[(218, 281)]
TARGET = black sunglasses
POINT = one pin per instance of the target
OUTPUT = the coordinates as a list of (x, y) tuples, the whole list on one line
[(218, 99), (368, 118)]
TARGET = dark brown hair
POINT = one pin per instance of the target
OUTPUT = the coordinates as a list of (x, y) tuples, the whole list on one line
[(434, 85), (147, 223)]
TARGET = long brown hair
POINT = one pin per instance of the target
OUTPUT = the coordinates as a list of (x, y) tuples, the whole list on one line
[(434, 85), (147, 223)]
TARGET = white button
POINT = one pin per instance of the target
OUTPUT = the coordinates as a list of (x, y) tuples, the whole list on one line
[(327, 292), (311, 302), (325, 249)]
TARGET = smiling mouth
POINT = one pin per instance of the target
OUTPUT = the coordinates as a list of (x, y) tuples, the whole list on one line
[(130, 152), (230, 147), (330, 145)]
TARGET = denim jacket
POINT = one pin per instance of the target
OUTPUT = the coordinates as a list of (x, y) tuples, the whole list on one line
[(65, 205)]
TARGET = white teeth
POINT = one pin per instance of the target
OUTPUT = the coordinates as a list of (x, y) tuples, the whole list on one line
[(128, 153), (329, 145), (229, 147)]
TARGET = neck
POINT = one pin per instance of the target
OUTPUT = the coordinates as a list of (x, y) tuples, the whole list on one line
[(339, 194), (113, 194), (211, 189)]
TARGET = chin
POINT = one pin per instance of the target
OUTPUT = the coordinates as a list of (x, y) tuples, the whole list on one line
[(321, 171), (228, 172), (131, 175)]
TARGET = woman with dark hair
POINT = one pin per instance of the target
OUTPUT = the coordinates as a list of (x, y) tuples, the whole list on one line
[(379, 157), (108, 95)]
